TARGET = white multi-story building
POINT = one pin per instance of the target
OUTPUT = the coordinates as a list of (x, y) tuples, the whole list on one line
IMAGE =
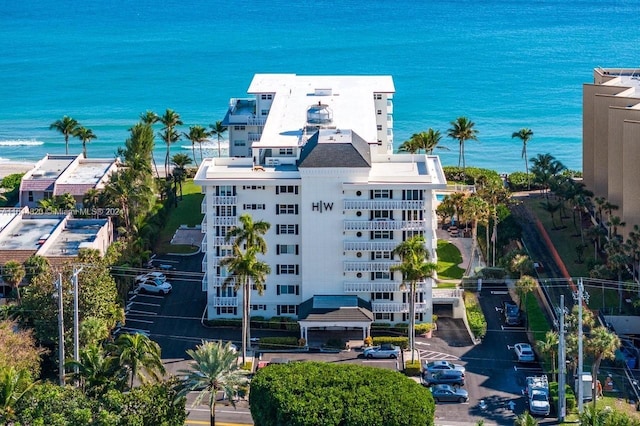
[(312, 156)]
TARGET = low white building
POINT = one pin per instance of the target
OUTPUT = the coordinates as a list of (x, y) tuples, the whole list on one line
[(312, 156)]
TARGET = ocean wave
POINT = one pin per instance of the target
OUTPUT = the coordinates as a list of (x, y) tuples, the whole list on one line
[(20, 142), (208, 146)]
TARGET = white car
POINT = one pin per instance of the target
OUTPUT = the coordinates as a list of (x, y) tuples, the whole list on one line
[(524, 352), (155, 286), (382, 351), (434, 366)]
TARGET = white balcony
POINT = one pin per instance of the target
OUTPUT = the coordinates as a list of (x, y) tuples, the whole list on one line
[(384, 204), (224, 221), (222, 241), (256, 121), (254, 137), (203, 206), (219, 282), (205, 283), (203, 245), (368, 266), (390, 307), (225, 301), (224, 200), (383, 225), (203, 225), (389, 106), (370, 245), (389, 121), (370, 287), (204, 264)]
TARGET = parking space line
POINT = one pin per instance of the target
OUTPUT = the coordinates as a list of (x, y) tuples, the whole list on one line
[(134, 311), (140, 320), (144, 303)]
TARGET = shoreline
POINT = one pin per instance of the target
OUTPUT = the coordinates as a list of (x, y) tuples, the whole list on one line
[(9, 167)]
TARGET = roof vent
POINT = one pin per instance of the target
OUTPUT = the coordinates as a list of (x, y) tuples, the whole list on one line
[(319, 114), (323, 92)]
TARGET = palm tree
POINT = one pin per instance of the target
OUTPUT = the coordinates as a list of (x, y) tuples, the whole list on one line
[(35, 265), (552, 208), (170, 120), (96, 371), (85, 135), (601, 344), (525, 419), (246, 270), (14, 384), (411, 146), (67, 126), (149, 117), (594, 416), (414, 268), (524, 135), (13, 273), (218, 130), (462, 129), (180, 163), (477, 210), (197, 135), (427, 141), (613, 224), (140, 357), (549, 346), (525, 285), (215, 369)]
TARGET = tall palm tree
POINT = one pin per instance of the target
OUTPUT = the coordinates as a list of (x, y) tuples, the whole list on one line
[(149, 117), (525, 285), (524, 135), (411, 146), (96, 371), (197, 135), (462, 129), (246, 271), (140, 357), (13, 273), (218, 130), (414, 268), (180, 163), (67, 126), (170, 120), (601, 344), (215, 369), (427, 141), (85, 135), (549, 346), (477, 210)]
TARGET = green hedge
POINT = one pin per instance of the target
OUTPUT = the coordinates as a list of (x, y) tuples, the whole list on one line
[(475, 316), (401, 341), (412, 368), (225, 322), (283, 342), (570, 397), (314, 393)]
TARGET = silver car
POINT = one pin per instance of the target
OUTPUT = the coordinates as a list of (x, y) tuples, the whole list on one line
[(382, 351)]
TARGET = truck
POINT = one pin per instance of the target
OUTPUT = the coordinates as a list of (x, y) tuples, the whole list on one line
[(537, 393)]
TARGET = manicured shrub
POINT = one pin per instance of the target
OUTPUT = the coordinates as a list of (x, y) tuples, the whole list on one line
[(335, 343), (258, 322), (401, 341), (380, 326), (412, 368), (337, 394), (280, 342), (475, 316), (424, 327), (401, 327), (224, 322)]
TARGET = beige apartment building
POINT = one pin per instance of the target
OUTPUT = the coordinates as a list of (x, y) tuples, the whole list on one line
[(611, 139)]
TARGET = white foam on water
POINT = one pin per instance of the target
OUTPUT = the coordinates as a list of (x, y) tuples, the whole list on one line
[(21, 142)]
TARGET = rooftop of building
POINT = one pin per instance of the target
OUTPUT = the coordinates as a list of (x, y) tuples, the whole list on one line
[(50, 167), (77, 234), (28, 231), (87, 171), (623, 77), (335, 148), (348, 98), (7, 214)]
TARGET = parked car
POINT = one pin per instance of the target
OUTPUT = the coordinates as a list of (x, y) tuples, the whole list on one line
[(449, 393), (155, 275), (524, 352), (511, 313), (434, 366), (444, 377), (382, 351), (155, 286)]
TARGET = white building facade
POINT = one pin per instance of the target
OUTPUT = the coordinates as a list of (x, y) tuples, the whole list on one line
[(312, 156)]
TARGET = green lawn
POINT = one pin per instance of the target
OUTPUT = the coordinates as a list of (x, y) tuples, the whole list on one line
[(187, 213), (449, 258)]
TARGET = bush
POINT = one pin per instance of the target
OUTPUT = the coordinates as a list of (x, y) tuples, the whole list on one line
[(424, 327), (412, 368), (248, 366), (335, 343), (401, 327), (570, 397), (403, 342), (475, 316), (224, 322), (281, 342), (518, 181), (258, 322), (493, 273), (471, 175), (283, 323), (368, 341), (324, 394), (380, 326)]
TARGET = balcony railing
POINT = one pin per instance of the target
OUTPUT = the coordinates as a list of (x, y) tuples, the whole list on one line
[(254, 137), (225, 301), (219, 282), (384, 204), (224, 200), (383, 225), (368, 287), (370, 245), (224, 221), (203, 206), (368, 266), (390, 307), (205, 283), (389, 106), (256, 121), (222, 241), (203, 245)]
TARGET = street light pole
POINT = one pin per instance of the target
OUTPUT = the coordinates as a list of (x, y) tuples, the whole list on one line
[(58, 286), (561, 364), (76, 322)]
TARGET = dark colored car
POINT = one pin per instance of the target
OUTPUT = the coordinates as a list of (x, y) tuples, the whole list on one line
[(444, 377), (449, 394), (511, 312)]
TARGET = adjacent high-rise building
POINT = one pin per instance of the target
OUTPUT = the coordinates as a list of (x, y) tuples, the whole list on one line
[(313, 157)]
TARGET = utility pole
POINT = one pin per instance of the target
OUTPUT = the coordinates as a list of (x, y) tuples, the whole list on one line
[(562, 365), (59, 295), (76, 323), (580, 296)]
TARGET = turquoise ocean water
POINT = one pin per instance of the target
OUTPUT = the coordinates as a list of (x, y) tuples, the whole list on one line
[(505, 64)]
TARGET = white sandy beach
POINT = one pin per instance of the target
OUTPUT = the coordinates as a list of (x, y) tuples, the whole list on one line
[(9, 167)]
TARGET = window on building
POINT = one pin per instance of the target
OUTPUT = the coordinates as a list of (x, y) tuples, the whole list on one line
[(286, 151), (31, 196), (286, 189), (239, 128), (287, 309), (413, 215), (381, 276), (253, 206), (287, 249), (288, 289), (227, 310), (382, 235), (266, 96), (384, 316), (383, 194), (381, 215), (380, 142), (226, 210), (254, 287), (239, 143), (286, 209), (381, 255), (253, 187), (382, 296), (412, 194), (410, 234), (287, 229), (377, 96), (379, 126), (258, 308), (48, 194), (379, 112), (225, 191), (287, 269), (264, 112)]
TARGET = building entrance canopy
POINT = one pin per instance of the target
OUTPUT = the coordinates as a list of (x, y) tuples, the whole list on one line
[(335, 312)]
